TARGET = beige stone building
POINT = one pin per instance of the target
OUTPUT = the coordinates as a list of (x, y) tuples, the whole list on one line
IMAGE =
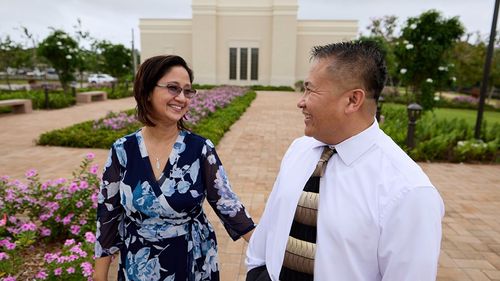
[(243, 42)]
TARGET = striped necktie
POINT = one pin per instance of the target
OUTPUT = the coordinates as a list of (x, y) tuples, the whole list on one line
[(298, 263)]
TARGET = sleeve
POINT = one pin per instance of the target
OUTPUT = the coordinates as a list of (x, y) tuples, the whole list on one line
[(109, 209), (411, 236), (220, 196)]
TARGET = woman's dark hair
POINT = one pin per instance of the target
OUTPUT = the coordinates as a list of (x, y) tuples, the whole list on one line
[(149, 73)]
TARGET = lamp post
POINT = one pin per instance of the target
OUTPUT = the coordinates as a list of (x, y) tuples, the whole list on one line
[(379, 108), (486, 72), (414, 111)]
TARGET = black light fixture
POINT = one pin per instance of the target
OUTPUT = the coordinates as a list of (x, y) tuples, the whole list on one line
[(414, 112)]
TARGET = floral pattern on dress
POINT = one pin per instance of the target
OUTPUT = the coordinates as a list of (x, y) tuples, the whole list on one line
[(158, 225)]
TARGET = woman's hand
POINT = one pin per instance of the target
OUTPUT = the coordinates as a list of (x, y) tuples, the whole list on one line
[(247, 235)]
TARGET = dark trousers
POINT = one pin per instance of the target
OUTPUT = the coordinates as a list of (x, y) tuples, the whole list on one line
[(258, 274)]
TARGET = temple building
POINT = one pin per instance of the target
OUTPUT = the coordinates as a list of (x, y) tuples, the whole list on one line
[(241, 42)]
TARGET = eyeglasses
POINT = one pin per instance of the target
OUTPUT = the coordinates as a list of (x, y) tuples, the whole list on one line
[(176, 90)]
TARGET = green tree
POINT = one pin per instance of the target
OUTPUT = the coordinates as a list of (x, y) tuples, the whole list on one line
[(468, 60), (421, 52), (116, 58), (62, 52), (12, 55), (382, 32)]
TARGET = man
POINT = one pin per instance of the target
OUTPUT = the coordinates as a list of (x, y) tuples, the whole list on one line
[(374, 214)]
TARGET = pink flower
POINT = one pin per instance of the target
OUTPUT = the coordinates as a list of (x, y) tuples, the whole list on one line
[(75, 229), (86, 269), (83, 222), (9, 278), (41, 275), (49, 257), (90, 156), (69, 242), (28, 226), (44, 217), (79, 204), (3, 256), (84, 184), (90, 237), (10, 246), (68, 218), (57, 271), (30, 173), (93, 169), (44, 232), (70, 270)]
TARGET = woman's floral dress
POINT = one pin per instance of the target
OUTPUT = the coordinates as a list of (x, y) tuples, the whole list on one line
[(158, 225)]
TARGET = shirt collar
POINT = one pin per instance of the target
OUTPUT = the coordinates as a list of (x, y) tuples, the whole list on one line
[(352, 148)]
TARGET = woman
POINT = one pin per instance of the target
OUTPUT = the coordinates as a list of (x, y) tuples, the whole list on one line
[(154, 184)]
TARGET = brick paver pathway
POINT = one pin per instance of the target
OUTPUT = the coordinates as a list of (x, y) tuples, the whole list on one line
[(251, 153)]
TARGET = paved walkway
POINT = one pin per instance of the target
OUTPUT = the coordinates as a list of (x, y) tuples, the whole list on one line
[(251, 153)]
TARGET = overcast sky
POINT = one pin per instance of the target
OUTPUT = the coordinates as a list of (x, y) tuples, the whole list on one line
[(114, 20)]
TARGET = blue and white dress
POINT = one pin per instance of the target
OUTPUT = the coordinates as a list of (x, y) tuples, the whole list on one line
[(158, 225)]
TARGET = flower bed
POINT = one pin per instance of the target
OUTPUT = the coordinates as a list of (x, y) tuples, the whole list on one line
[(57, 214), (103, 132)]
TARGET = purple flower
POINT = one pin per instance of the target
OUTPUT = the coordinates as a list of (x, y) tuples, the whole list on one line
[(90, 156), (57, 271), (75, 229), (86, 269), (44, 232), (90, 237), (93, 169), (84, 184), (41, 275), (28, 227), (3, 256), (69, 242), (31, 173), (66, 220)]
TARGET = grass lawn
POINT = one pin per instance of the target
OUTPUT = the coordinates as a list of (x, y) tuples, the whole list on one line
[(469, 115)]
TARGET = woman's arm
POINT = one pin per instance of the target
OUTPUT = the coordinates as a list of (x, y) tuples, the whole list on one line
[(220, 196), (102, 268)]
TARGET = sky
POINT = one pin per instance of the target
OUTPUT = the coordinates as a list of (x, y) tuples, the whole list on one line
[(114, 20)]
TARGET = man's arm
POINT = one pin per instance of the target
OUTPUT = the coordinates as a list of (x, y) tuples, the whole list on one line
[(411, 236)]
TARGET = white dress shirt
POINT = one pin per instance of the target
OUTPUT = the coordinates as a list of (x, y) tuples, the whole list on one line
[(379, 215)]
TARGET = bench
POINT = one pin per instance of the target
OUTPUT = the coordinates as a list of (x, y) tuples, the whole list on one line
[(18, 105), (86, 97)]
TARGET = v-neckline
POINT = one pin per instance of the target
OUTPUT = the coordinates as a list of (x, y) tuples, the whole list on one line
[(145, 156)]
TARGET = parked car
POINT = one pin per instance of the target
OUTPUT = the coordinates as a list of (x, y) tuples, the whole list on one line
[(101, 78)]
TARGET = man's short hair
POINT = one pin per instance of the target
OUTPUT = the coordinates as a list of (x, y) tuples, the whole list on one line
[(358, 61)]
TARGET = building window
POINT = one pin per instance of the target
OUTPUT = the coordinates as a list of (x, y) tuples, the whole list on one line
[(232, 63), (243, 61), (254, 70)]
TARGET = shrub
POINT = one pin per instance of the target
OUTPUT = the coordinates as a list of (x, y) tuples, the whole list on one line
[(442, 139), (57, 99), (224, 105), (46, 214), (271, 88)]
